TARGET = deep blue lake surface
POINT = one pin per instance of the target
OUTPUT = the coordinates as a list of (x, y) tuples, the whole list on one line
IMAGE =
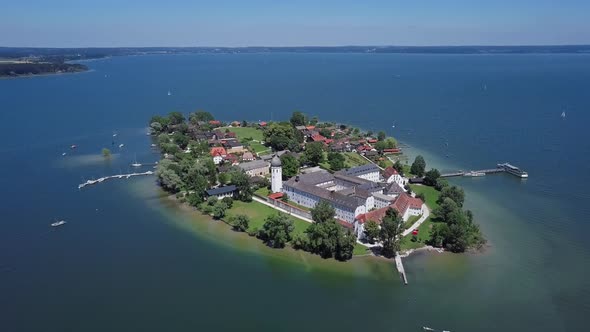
[(125, 261)]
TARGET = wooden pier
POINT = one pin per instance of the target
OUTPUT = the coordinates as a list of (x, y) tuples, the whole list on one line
[(400, 268), (118, 176)]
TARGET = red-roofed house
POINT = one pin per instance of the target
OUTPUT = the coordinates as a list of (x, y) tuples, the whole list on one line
[(372, 140), (218, 153), (394, 151), (215, 123), (390, 175), (232, 158), (405, 205), (262, 124), (318, 138)]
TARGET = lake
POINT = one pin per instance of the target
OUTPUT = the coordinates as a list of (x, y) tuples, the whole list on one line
[(129, 259)]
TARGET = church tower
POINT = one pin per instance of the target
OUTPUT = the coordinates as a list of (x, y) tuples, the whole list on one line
[(276, 171)]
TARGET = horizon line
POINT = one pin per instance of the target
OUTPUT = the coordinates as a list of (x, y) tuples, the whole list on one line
[(310, 46)]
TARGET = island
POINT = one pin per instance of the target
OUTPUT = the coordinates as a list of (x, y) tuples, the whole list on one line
[(329, 189)]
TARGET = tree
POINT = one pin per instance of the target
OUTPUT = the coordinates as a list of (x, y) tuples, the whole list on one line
[(399, 167), (297, 119), (168, 176), (441, 183), (176, 118), (314, 121), (219, 210), (244, 123), (276, 231), (431, 177), (322, 212), (314, 153), (453, 192), (326, 132), (371, 231), (240, 179), (445, 208), (345, 245), (212, 200), (336, 161), (280, 135), (156, 127), (290, 166), (241, 223), (228, 201), (390, 234), (106, 153), (180, 139), (200, 116), (381, 136), (418, 166), (421, 196), (323, 237), (223, 178)]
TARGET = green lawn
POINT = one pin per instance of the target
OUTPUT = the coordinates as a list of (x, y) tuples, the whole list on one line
[(431, 196), (411, 221), (263, 191), (247, 132), (257, 212), (354, 159), (359, 249)]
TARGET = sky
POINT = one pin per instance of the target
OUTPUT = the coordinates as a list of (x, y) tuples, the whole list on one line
[(139, 23)]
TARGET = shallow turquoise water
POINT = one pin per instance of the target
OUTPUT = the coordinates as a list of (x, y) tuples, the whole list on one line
[(123, 263)]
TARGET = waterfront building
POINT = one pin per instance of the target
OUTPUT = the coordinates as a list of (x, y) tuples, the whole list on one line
[(368, 172), (222, 192), (390, 175)]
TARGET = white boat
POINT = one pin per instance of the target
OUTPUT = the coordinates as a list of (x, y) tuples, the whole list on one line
[(153, 145), (135, 163), (563, 114), (63, 154), (58, 223), (121, 145), (169, 93)]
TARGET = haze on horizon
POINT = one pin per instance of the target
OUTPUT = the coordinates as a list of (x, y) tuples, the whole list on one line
[(176, 23)]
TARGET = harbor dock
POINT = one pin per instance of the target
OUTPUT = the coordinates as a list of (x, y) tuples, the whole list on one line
[(501, 168), (118, 176)]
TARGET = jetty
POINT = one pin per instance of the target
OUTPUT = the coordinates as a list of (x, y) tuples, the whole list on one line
[(501, 168), (400, 268), (118, 176)]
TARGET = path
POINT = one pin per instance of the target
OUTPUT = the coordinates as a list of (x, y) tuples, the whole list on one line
[(418, 222)]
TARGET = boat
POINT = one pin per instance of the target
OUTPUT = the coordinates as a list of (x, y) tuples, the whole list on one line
[(513, 170), (153, 145), (169, 93), (426, 328), (115, 135), (121, 145), (73, 146), (135, 163), (58, 223), (474, 174), (563, 114), (63, 154)]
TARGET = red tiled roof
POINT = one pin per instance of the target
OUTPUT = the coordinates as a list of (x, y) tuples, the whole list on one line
[(262, 123), (388, 172), (276, 195), (392, 150), (372, 140), (318, 138), (375, 215), (345, 224), (405, 201), (214, 122), (218, 151)]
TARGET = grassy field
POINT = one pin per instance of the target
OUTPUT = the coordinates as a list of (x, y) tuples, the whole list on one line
[(354, 159), (359, 249), (411, 221), (247, 132), (431, 196), (258, 212), (253, 135)]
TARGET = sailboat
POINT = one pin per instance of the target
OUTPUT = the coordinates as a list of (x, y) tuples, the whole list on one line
[(563, 114), (169, 93), (135, 163), (393, 125)]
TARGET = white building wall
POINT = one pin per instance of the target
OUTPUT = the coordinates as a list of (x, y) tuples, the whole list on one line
[(373, 176), (217, 160), (276, 179)]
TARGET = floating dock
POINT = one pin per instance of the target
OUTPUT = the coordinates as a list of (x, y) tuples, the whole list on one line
[(118, 176)]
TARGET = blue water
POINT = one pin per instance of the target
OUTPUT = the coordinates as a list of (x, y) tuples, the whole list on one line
[(122, 264)]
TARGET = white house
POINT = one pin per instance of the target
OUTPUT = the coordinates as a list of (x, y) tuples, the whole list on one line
[(368, 172), (222, 192), (391, 175)]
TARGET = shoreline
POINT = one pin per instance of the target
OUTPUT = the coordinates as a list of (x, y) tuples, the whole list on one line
[(45, 74)]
